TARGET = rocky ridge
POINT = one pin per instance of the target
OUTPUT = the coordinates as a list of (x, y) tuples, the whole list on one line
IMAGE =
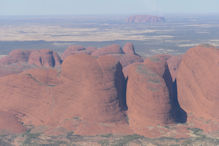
[(110, 90)]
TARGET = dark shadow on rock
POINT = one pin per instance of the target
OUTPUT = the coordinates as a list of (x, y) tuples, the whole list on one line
[(120, 83), (179, 115), (125, 89)]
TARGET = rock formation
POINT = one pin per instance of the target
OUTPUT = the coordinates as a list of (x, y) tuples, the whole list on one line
[(148, 95), (145, 19), (125, 55), (97, 82), (43, 57), (86, 86), (90, 95), (198, 84), (16, 56), (129, 49)]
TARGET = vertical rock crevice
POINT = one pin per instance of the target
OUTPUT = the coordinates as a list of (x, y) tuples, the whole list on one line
[(177, 113), (120, 83)]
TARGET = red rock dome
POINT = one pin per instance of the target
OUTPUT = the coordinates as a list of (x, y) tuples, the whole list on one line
[(149, 94), (198, 84)]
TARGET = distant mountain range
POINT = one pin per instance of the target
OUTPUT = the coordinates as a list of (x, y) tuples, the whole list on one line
[(145, 19)]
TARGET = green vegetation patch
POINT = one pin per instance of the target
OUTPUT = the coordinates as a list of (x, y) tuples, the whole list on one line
[(104, 142), (155, 81), (143, 69), (155, 59), (30, 137), (107, 135), (126, 139)]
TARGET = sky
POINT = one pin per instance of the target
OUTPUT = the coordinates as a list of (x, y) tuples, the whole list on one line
[(107, 7)]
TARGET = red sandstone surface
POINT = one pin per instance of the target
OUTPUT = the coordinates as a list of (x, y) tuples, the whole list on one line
[(90, 94), (14, 68), (125, 55), (20, 60), (147, 94), (43, 57), (10, 123), (16, 56), (86, 86), (128, 48), (198, 85)]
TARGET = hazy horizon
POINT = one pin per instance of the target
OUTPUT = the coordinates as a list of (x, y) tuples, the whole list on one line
[(101, 7)]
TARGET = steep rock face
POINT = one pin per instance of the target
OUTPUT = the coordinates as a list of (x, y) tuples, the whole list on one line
[(92, 95), (145, 19), (111, 49), (44, 57), (128, 48), (94, 80), (148, 94), (198, 84), (87, 94)]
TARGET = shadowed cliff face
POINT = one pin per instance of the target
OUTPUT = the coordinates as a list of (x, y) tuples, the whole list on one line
[(121, 83), (177, 112)]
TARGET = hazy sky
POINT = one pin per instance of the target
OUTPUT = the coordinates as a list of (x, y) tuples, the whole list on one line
[(93, 7)]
